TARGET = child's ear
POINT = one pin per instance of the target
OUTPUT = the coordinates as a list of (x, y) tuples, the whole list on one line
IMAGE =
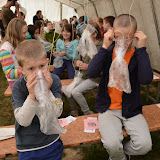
[(21, 70), (47, 61)]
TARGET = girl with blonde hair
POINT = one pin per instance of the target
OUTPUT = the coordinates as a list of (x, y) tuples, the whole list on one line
[(16, 33)]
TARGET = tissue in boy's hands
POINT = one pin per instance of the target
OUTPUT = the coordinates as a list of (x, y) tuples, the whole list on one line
[(118, 73), (46, 110)]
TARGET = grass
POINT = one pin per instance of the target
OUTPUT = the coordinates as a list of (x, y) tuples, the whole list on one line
[(6, 109), (90, 152)]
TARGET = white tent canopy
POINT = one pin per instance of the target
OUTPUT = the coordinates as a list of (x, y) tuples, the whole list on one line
[(145, 11), (50, 9)]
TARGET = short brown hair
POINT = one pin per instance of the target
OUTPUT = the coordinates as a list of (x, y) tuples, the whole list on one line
[(28, 50), (110, 20), (100, 20), (65, 21), (125, 20), (81, 19)]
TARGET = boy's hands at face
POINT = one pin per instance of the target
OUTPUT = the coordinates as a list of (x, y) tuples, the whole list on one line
[(31, 81), (108, 38), (48, 78), (140, 39)]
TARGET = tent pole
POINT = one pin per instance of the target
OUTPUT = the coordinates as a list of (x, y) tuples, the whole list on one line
[(155, 20), (60, 11)]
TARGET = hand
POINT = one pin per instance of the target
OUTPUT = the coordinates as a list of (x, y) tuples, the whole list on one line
[(48, 78), (140, 38), (17, 6), (63, 53), (83, 66), (108, 38), (31, 81), (78, 63), (54, 54)]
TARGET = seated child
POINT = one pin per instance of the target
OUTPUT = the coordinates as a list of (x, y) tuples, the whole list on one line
[(117, 108), (31, 143), (16, 33), (33, 31), (93, 41), (67, 45), (49, 36), (52, 35)]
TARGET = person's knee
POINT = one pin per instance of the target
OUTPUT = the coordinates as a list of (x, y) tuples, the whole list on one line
[(75, 93), (143, 146), (146, 145), (112, 145)]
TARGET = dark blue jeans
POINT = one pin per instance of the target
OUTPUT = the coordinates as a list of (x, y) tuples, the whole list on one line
[(67, 64), (52, 152)]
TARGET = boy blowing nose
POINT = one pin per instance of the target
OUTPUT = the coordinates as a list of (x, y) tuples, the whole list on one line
[(31, 143)]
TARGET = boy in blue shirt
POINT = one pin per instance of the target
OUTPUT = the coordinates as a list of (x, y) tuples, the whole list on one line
[(31, 143)]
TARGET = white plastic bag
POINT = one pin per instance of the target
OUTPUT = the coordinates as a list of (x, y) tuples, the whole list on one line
[(58, 61), (86, 45), (47, 45), (118, 73), (67, 89), (46, 111)]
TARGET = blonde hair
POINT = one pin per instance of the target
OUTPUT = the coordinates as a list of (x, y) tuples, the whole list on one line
[(14, 32), (29, 50)]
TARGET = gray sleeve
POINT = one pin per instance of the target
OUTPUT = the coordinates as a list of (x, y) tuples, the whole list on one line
[(25, 114), (24, 108)]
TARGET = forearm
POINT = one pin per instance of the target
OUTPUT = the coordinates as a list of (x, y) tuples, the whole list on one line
[(145, 73), (25, 114)]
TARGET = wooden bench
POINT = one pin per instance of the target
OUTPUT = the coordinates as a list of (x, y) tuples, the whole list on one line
[(148, 96), (8, 91), (75, 135)]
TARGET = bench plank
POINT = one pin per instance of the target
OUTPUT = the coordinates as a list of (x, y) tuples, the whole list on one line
[(75, 135)]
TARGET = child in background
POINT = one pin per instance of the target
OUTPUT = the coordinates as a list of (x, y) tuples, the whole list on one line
[(31, 143), (40, 25), (82, 62), (100, 23), (67, 47), (33, 31), (117, 108), (80, 27), (108, 23), (16, 33), (49, 36)]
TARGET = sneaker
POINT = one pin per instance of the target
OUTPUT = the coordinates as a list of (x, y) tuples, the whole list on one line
[(74, 113), (90, 112), (110, 158)]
